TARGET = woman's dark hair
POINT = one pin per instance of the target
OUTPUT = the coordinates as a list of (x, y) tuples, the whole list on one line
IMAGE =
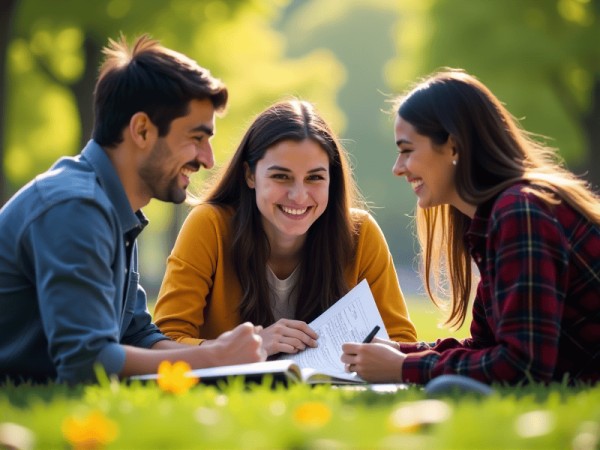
[(330, 241), (152, 79), (493, 153)]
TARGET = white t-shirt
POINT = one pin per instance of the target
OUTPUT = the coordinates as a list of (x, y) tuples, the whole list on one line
[(282, 296)]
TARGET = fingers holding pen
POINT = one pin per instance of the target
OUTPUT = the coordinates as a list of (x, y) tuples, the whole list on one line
[(376, 362)]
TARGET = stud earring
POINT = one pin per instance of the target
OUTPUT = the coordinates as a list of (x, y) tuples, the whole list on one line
[(454, 162)]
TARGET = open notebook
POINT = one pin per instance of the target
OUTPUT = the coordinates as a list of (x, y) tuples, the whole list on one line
[(350, 319), (279, 371)]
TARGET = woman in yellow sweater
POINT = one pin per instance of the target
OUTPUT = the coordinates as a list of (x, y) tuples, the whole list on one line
[(277, 240)]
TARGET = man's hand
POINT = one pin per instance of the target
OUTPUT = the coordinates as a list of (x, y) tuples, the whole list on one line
[(241, 345), (378, 362), (288, 336)]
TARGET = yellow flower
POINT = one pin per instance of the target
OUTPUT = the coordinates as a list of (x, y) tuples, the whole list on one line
[(312, 415), (171, 377), (90, 432)]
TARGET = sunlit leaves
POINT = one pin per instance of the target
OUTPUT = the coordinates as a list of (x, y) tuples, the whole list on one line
[(577, 11), (234, 39), (60, 51), (43, 127)]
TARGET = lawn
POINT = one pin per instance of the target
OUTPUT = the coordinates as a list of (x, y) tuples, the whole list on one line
[(117, 415)]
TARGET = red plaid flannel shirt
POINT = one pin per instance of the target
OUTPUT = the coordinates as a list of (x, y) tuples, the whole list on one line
[(536, 314)]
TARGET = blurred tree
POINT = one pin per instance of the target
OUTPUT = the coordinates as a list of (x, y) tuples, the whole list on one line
[(54, 54), (7, 8), (540, 57)]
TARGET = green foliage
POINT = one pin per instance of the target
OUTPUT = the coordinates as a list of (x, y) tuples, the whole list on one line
[(234, 39), (536, 416)]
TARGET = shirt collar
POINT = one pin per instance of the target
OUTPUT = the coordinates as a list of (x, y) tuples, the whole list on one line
[(479, 223), (111, 183)]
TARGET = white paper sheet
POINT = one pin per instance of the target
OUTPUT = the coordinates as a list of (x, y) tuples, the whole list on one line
[(350, 319)]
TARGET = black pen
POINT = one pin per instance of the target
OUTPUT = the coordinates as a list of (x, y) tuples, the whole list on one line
[(371, 335)]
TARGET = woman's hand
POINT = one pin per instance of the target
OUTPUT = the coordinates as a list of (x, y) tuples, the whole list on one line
[(288, 336), (378, 362), (393, 344)]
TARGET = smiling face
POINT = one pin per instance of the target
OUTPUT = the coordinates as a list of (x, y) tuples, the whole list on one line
[(291, 183), (428, 168), (184, 150)]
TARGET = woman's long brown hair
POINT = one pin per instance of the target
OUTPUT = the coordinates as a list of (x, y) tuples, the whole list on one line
[(494, 152), (330, 241)]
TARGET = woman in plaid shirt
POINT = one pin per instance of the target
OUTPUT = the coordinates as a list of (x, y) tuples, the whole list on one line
[(488, 193)]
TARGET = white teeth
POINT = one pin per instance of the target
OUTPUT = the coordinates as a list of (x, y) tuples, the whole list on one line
[(187, 172), (416, 183), (294, 212)]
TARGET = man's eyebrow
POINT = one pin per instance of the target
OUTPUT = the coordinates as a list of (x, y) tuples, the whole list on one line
[(205, 129)]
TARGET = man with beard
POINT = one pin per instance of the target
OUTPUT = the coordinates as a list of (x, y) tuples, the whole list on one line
[(70, 298)]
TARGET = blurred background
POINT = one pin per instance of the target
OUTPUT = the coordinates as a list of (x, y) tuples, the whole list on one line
[(349, 57)]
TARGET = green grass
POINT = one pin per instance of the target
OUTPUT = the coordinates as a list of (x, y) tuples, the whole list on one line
[(301, 417), (235, 417)]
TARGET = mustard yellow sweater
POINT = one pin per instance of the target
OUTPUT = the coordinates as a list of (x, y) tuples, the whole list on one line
[(200, 293)]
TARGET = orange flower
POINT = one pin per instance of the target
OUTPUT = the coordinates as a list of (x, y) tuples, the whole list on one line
[(172, 377), (312, 414), (93, 431)]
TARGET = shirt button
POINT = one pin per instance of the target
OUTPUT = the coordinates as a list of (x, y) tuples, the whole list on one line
[(127, 243), (478, 258), (126, 270)]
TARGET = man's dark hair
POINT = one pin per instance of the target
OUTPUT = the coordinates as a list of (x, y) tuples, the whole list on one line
[(152, 79)]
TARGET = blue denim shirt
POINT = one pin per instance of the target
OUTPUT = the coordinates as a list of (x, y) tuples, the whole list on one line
[(69, 283)]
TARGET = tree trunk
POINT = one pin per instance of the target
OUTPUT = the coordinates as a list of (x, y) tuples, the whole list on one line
[(83, 89), (7, 11)]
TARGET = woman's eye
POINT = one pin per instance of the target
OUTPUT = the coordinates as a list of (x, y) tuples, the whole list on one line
[(315, 178)]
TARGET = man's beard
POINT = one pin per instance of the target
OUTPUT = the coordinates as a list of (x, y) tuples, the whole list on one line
[(166, 190)]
